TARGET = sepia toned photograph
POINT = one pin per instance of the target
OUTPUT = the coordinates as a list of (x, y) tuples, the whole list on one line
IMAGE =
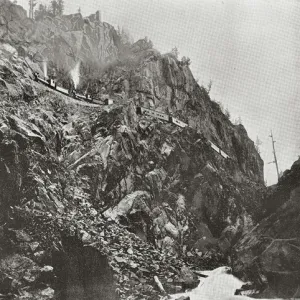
[(149, 149)]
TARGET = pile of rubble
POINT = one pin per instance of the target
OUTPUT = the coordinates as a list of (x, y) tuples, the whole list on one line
[(134, 262), (138, 267)]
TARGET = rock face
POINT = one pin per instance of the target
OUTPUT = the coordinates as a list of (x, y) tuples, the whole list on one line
[(269, 254), (144, 193), (60, 41), (76, 38), (178, 165)]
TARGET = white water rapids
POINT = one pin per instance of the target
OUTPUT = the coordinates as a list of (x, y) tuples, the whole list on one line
[(219, 285)]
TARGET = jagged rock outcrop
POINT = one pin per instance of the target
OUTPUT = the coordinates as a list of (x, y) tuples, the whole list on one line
[(125, 148), (142, 192), (269, 254), (48, 154), (60, 41), (74, 38), (221, 192)]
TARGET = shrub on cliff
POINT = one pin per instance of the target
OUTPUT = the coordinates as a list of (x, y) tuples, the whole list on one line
[(185, 61)]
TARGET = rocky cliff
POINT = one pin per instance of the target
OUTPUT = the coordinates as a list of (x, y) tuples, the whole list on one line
[(269, 254), (61, 42), (179, 164), (147, 196)]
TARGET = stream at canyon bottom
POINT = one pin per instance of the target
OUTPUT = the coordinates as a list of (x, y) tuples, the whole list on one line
[(219, 285)]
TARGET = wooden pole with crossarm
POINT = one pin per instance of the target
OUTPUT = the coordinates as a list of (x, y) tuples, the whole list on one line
[(274, 153)]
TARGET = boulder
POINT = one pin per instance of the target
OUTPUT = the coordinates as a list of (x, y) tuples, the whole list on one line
[(29, 130), (85, 237), (136, 200), (188, 279), (47, 293), (172, 230)]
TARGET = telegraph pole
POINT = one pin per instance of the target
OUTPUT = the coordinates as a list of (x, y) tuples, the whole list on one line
[(30, 9), (274, 152), (32, 4)]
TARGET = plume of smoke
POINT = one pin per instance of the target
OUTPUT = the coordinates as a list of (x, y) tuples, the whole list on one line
[(45, 69), (75, 74)]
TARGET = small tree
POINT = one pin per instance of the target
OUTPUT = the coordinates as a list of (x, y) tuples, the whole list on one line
[(209, 86), (60, 7), (227, 113), (175, 52), (41, 12), (54, 7), (220, 105), (185, 61), (125, 36), (150, 44)]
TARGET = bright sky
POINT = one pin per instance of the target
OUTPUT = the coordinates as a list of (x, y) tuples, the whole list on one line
[(248, 48)]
